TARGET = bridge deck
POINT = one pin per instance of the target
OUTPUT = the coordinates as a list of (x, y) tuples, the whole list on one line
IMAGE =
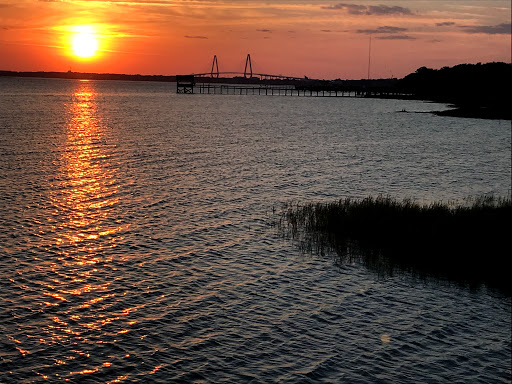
[(261, 76)]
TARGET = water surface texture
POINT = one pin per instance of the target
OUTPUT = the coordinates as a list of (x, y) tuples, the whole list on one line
[(136, 242)]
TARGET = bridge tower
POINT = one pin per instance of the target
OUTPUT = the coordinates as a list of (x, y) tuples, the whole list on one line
[(248, 63), (215, 64)]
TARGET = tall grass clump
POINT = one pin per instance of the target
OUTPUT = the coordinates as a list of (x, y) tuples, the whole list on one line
[(469, 242)]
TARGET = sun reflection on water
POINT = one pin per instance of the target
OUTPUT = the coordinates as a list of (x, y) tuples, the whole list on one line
[(89, 186), (86, 228)]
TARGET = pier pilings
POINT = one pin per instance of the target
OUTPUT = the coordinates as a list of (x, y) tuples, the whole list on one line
[(227, 89)]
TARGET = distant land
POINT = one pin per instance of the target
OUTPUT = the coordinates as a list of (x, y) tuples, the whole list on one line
[(88, 76), (474, 90)]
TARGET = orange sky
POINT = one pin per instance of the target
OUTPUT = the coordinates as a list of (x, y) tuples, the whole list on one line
[(319, 39)]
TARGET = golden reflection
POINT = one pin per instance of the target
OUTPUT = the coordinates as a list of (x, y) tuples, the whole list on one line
[(88, 190), (154, 370), (385, 338), (119, 379), (87, 226)]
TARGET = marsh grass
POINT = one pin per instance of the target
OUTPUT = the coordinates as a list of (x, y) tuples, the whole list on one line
[(468, 242)]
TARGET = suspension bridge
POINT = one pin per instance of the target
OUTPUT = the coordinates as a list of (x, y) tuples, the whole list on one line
[(256, 83), (246, 74)]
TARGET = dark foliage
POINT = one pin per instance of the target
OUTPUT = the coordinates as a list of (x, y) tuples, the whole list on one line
[(467, 243), (471, 87)]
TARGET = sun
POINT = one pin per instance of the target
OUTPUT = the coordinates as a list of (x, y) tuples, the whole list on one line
[(84, 42)]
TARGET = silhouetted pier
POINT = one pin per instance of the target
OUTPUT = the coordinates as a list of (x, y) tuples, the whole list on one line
[(185, 83), (228, 89)]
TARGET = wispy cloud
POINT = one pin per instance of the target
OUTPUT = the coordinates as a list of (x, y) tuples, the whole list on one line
[(264, 30), (445, 24), (137, 2), (195, 37), (396, 37), (354, 9), (358, 9), (384, 29), (500, 29)]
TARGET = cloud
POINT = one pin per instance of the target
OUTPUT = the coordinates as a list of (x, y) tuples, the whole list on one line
[(126, 2), (385, 10), (264, 30), (384, 29), (500, 29), (357, 9), (353, 9), (195, 37), (396, 37), (445, 24)]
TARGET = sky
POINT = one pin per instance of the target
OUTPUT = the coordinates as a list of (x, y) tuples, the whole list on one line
[(324, 39)]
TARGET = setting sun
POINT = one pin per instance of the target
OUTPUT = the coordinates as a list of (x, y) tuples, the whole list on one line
[(84, 43)]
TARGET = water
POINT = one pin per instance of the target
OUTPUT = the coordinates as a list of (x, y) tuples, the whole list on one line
[(136, 242)]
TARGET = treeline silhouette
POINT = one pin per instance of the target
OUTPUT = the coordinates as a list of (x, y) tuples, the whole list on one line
[(481, 90)]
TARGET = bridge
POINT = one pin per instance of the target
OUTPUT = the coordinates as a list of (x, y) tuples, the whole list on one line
[(252, 83), (260, 76), (247, 73)]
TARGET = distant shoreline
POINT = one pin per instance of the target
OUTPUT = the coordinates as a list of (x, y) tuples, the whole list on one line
[(87, 76), (442, 86)]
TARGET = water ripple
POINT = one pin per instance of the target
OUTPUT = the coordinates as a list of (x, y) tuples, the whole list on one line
[(135, 242)]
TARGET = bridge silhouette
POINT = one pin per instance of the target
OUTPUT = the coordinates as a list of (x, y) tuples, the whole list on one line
[(256, 83), (247, 73)]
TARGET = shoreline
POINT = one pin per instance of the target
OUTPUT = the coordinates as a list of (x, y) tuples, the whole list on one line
[(457, 110), (477, 113)]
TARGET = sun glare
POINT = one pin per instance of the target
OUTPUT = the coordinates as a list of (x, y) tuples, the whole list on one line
[(85, 43)]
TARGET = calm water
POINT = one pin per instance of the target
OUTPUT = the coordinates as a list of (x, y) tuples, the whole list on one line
[(136, 241)]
